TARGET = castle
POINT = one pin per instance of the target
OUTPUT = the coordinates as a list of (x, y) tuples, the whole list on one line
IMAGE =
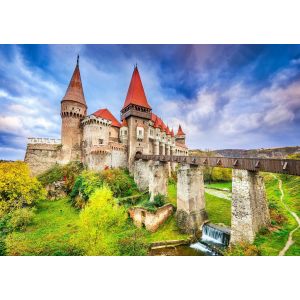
[(99, 140)]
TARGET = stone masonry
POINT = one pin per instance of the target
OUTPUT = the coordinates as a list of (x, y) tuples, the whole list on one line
[(158, 179), (141, 174), (249, 206), (191, 212)]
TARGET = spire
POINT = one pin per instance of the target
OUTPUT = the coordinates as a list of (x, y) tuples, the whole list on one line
[(75, 90), (156, 123), (172, 132), (180, 131), (136, 94), (168, 132)]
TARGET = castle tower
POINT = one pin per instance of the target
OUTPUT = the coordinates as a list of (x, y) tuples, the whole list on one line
[(137, 113), (73, 110), (180, 136)]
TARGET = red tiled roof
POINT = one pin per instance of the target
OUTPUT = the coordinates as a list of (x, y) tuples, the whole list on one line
[(106, 114), (180, 131), (124, 123), (75, 90), (136, 94)]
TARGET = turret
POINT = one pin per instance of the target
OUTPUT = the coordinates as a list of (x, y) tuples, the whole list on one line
[(180, 136), (137, 113), (73, 110)]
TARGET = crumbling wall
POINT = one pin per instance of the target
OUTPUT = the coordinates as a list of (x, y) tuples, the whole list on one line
[(41, 157), (151, 221)]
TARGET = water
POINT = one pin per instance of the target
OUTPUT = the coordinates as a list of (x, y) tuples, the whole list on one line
[(214, 239), (215, 234)]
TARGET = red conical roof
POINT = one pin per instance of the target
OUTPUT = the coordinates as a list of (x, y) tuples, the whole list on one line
[(124, 123), (156, 123), (180, 131), (172, 132), (168, 131), (106, 114), (136, 94), (75, 90)]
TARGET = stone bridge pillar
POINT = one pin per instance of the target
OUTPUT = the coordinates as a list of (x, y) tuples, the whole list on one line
[(249, 210), (156, 148), (168, 152), (191, 212), (158, 179), (141, 174)]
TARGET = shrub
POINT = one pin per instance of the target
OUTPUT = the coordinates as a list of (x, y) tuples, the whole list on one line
[(17, 188), (20, 218), (221, 174), (84, 186), (68, 173), (51, 175), (159, 200), (119, 182)]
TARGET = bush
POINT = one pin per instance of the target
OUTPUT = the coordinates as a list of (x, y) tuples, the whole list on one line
[(20, 218), (221, 174), (17, 188), (119, 181), (68, 173), (158, 201), (84, 186)]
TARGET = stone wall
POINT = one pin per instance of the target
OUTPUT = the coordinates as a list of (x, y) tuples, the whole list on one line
[(249, 206), (41, 157), (151, 221)]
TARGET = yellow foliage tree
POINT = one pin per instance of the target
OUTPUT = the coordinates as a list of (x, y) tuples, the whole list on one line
[(101, 223), (17, 188)]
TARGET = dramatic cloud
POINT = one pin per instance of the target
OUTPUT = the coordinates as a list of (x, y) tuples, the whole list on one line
[(224, 96)]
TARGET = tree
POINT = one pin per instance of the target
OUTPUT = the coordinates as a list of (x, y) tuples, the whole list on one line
[(104, 227), (17, 188)]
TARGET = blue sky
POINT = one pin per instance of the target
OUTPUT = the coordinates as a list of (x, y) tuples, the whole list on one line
[(224, 96)]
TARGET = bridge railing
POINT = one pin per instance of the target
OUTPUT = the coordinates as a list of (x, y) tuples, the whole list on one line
[(283, 166)]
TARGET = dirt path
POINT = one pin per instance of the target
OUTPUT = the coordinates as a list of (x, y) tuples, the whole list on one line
[(290, 241), (218, 193)]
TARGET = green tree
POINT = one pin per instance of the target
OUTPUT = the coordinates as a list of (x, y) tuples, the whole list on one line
[(17, 188)]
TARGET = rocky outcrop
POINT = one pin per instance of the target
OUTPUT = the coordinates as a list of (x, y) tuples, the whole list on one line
[(56, 190)]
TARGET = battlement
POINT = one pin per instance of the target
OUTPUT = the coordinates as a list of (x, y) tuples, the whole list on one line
[(44, 141)]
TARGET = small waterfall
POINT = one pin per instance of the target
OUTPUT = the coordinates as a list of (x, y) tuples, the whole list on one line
[(213, 238), (215, 234)]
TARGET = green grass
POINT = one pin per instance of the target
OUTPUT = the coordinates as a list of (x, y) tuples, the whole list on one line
[(51, 233), (220, 185), (167, 231), (218, 209), (273, 241), (172, 194)]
